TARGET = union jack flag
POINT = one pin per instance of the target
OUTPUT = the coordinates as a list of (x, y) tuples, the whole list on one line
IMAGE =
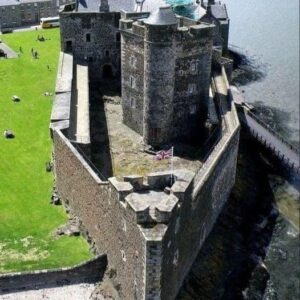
[(160, 155)]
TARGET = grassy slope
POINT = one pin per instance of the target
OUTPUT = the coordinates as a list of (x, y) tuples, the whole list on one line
[(27, 221)]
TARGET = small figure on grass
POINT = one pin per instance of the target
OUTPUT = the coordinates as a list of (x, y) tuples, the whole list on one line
[(8, 134), (15, 98), (48, 166)]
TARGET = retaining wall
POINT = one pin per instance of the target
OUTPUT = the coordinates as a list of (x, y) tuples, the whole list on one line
[(87, 272)]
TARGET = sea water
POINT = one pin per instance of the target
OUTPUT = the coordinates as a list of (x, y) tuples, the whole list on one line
[(267, 32)]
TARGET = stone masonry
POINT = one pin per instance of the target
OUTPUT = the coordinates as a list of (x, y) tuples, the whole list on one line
[(150, 227), (93, 38), (165, 101)]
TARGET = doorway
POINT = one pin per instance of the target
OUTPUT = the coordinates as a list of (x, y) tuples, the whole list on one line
[(107, 72)]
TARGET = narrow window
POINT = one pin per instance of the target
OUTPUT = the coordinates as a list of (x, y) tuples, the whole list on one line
[(88, 37), (118, 37), (123, 255), (132, 61), (69, 46), (193, 67), (106, 53), (193, 109), (132, 82), (132, 102), (191, 88)]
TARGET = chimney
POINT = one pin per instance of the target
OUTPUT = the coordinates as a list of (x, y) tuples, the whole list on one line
[(104, 7)]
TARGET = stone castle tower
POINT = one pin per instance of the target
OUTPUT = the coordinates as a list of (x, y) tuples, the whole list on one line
[(166, 69), (152, 225)]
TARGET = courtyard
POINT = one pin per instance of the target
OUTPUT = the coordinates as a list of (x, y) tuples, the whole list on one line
[(27, 221)]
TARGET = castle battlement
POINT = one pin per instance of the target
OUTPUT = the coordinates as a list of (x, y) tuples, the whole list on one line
[(154, 200), (153, 224), (182, 27)]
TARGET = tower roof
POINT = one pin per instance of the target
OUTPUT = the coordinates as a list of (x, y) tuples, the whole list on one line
[(162, 17)]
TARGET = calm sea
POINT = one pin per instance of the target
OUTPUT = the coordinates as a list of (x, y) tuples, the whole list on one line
[(267, 31)]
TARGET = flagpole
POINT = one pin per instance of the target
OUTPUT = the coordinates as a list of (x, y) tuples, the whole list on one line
[(172, 166)]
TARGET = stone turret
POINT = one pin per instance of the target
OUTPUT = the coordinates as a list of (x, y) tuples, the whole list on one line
[(159, 73)]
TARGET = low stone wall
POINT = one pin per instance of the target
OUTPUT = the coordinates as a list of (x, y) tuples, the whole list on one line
[(87, 272)]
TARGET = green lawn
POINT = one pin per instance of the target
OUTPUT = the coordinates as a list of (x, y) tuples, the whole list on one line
[(27, 220)]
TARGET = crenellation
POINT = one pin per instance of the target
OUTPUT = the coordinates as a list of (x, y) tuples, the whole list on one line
[(126, 24), (159, 180), (202, 30), (138, 29), (121, 188), (136, 181)]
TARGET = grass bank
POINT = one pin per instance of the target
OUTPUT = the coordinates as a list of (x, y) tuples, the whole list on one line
[(27, 221)]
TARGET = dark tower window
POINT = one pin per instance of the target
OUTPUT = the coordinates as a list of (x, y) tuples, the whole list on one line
[(88, 37), (69, 46), (107, 72), (118, 37), (193, 109), (106, 53)]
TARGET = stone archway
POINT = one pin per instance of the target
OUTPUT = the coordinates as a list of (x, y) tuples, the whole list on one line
[(107, 71)]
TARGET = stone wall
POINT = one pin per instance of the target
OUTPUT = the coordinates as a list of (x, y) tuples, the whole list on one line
[(132, 58), (94, 38), (87, 272), (192, 80), (111, 227), (203, 201), (151, 261)]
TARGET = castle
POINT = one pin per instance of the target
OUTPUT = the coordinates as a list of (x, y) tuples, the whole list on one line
[(175, 91)]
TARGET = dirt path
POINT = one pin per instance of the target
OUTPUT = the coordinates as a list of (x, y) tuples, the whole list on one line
[(74, 292), (10, 53)]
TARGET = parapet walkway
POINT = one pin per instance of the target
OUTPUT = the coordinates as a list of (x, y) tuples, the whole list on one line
[(80, 117), (271, 140), (288, 154)]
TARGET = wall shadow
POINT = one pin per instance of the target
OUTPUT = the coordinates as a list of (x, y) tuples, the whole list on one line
[(233, 253), (100, 146)]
